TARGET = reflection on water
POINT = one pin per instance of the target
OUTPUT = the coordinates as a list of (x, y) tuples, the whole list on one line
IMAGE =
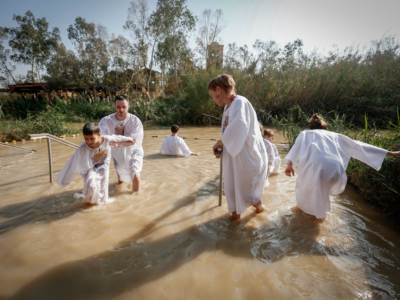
[(172, 240)]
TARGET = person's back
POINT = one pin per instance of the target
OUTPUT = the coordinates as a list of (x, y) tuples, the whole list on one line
[(174, 145)]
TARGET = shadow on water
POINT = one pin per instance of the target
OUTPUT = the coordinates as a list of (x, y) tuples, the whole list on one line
[(139, 259), (45, 209), (159, 156), (25, 179)]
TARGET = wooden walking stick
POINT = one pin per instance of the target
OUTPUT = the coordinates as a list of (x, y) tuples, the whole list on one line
[(218, 154), (220, 181)]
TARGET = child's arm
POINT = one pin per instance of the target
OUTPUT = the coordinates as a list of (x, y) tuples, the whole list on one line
[(122, 144), (116, 141)]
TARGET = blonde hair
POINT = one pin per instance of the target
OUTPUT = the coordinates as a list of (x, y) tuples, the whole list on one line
[(268, 132), (316, 122), (223, 81)]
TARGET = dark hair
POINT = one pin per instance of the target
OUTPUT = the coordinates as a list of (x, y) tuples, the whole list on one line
[(121, 97), (316, 122), (268, 132), (174, 128), (223, 81), (90, 128)]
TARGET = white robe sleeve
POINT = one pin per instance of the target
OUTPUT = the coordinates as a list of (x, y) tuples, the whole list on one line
[(103, 125), (368, 154), (184, 148), (136, 132), (117, 138), (76, 164), (294, 152), (235, 134)]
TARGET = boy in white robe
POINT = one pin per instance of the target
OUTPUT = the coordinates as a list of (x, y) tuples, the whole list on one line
[(268, 134), (92, 160), (174, 145), (244, 157), (128, 162), (323, 157)]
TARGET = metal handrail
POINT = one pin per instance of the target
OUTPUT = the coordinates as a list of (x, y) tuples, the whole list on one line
[(50, 137), (16, 147)]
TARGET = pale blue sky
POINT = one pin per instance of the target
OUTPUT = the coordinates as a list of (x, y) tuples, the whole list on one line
[(319, 23)]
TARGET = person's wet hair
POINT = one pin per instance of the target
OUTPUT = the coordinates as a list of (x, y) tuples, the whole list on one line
[(174, 128), (121, 97), (316, 122), (90, 129), (223, 81)]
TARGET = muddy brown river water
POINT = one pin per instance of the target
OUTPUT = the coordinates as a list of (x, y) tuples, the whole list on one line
[(172, 241)]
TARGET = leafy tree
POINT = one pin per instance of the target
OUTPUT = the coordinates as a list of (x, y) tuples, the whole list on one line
[(146, 31), (31, 42), (210, 27), (90, 41), (64, 69), (6, 66), (175, 21)]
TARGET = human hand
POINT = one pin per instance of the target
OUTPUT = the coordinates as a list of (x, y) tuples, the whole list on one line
[(394, 154), (289, 170), (217, 145)]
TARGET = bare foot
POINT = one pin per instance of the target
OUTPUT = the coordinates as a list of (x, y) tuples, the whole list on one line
[(259, 207), (88, 205), (235, 216)]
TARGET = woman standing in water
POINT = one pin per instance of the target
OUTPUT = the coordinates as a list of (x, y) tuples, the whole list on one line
[(323, 157), (244, 156)]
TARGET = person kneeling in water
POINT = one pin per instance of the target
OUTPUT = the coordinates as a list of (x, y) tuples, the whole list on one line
[(92, 160), (174, 145)]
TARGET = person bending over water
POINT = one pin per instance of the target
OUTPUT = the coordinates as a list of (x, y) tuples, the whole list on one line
[(128, 162), (244, 156), (92, 160), (323, 157), (174, 145)]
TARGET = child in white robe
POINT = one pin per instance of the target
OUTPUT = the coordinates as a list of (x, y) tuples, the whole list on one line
[(322, 158), (244, 157), (268, 134), (92, 160), (128, 161), (174, 145), (270, 155)]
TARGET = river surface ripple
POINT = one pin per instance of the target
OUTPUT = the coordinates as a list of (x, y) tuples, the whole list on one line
[(172, 241)]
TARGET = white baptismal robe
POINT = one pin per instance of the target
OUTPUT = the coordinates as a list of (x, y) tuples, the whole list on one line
[(94, 167), (277, 161), (323, 157), (128, 161), (271, 158), (245, 162), (173, 145)]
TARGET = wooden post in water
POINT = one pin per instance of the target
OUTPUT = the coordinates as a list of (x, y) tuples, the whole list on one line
[(50, 160), (220, 181)]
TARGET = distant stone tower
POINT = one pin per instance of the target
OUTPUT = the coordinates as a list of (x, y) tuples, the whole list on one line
[(215, 55)]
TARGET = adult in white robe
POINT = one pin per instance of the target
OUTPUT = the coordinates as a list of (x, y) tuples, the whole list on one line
[(322, 158), (128, 161), (94, 165), (174, 145)]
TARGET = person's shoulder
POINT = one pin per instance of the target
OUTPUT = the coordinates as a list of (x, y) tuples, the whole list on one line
[(134, 118), (109, 117)]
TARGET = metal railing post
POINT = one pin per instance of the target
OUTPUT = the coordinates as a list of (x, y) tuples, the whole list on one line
[(50, 159)]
